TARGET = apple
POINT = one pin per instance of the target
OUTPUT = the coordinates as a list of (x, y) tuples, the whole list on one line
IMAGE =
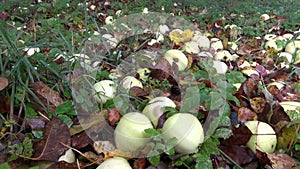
[(188, 131), (104, 90), (216, 44), (130, 81), (129, 133), (155, 108), (292, 46), (263, 138), (221, 67), (177, 57), (115, 163)]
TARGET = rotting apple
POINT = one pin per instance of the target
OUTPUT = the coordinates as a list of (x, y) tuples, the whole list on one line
[(104, 90), (115, 163), (130, 81), (177, 57), (264, 137), (155, 108), (188, 131), (130, 132)]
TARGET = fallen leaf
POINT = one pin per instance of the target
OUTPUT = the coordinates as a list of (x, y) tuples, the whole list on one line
[(245, 114), (47, 95), (50, 148), (240, 136), (36, 123), (241, 155), (140, 163), (258, 104), (279, 161), (103, 147), (3, 83), (4, 104), (81, 140), (113, 116)]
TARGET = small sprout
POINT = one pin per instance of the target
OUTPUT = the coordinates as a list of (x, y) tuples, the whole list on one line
[(104, 90), (155, 108), (264, 137), (216, 44), (115, 163), (188, 131), (221, 67), (130, 81), (68, 157), (177, 57), (129, 133)]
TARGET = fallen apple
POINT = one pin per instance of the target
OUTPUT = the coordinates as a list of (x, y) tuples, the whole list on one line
[(216, 44), (292, 46), (104, 90), (264, 137), (130, 81), (188, 131), (221, 67), (177, 57), (129, 133), (155, 108), (115, 163)]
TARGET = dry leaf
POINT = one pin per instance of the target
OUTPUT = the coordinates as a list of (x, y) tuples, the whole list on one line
[(47, 95), (3, 83), (113, 116), (245, 114), (56, 134), (4, 104), (258, 104), (280, 161)]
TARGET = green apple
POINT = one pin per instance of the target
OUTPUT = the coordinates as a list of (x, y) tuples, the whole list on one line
[(155, 108), (263, 138), (188, 131), (115, 163), (130, 132), (104, 90), (177, 57)]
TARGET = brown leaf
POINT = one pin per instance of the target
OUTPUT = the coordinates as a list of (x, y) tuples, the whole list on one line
[(3, 83), (56, 134), (279, 117), (80, 140), (279, 161), (113, 116), (138, 92), (47, 95), (36, 123), (241, 155), (240, 136), (245, 114), (4, 104), (258, 104), (140, 163), (3, 16)]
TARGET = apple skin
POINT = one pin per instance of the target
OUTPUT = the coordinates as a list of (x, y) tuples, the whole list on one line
[(104, 90), (115, 163), (130, 81), (177, 57), (188, 131), (155, 108), (129, 133), (263, 138)]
